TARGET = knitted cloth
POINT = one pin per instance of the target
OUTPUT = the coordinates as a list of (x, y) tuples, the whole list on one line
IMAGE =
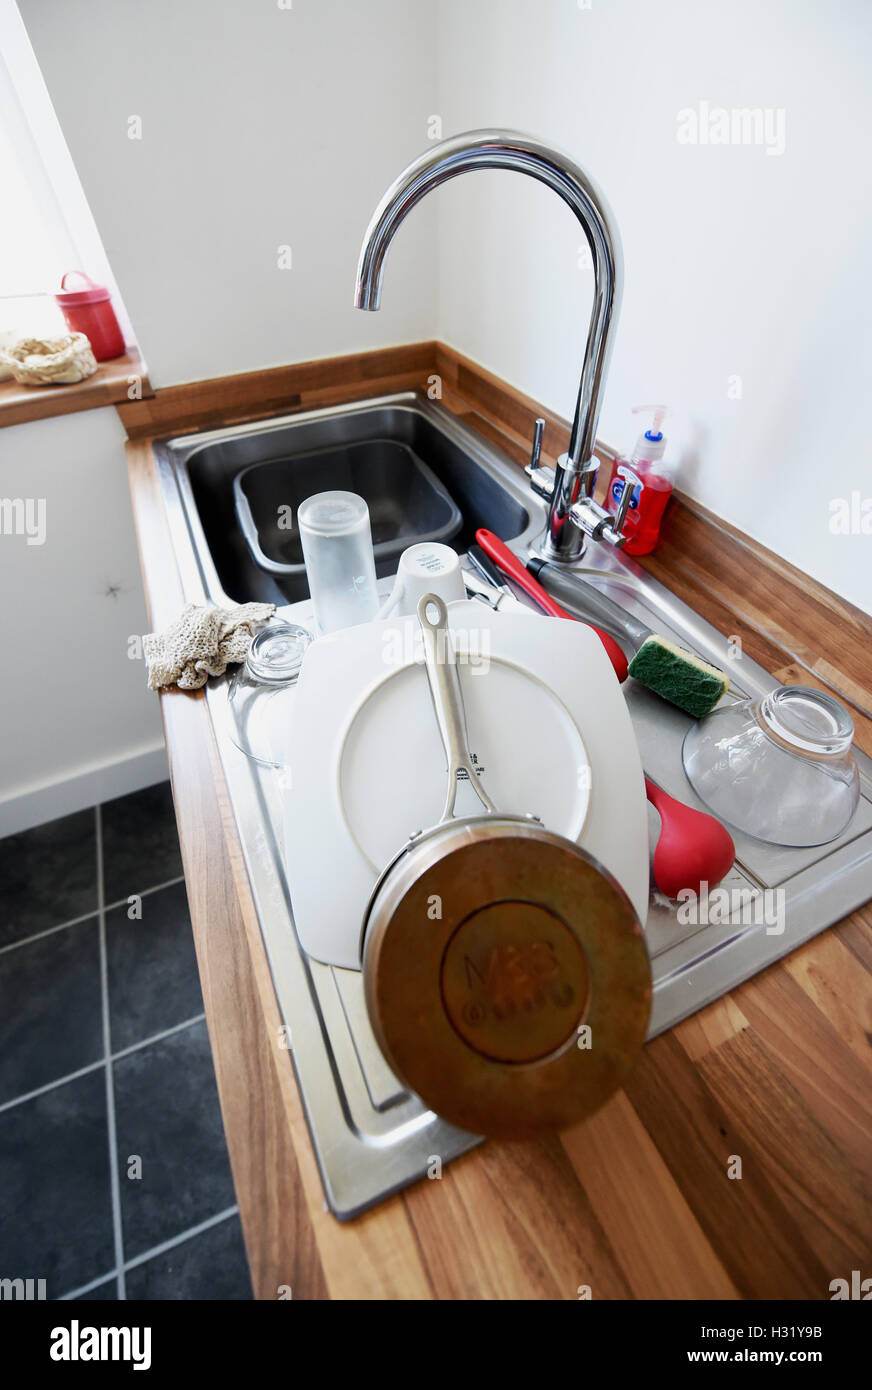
[(50, 361), (200, 644)]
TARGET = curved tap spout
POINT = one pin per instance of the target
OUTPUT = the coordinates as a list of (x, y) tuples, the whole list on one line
[(506, 149)]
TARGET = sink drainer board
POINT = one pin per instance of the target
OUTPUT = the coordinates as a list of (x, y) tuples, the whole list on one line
[(371, 1136)]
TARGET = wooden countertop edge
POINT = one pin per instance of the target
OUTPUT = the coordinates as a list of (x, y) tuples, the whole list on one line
[(111, 384), (256, 1088), (270, 391), (541, 1220)]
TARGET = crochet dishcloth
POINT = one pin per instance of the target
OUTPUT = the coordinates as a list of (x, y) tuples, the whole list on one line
[(50, 361), (201, 643)]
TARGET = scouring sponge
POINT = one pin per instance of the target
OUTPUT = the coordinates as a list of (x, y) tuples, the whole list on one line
[(678, 676), (671, 672)]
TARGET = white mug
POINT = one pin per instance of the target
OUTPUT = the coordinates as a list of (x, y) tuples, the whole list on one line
[(425, 568)]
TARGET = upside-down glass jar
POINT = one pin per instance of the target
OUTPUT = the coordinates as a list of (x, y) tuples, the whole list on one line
[(260, 692), (780, 769)]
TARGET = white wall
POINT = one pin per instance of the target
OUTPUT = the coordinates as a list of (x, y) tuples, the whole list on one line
[(737, 262), (79, 724), (261, 127)]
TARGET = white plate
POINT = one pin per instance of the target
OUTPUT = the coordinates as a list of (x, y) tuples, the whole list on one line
[(392, 767), (547, 722)]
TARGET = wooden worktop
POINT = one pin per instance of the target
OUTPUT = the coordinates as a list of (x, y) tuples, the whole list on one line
[(636, 1202), (118, 379)]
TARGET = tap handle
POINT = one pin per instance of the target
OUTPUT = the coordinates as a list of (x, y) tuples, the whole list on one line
[(538, 432), (631, 482)]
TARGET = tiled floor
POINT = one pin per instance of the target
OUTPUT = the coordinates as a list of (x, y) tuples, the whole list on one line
[(114, 1178)]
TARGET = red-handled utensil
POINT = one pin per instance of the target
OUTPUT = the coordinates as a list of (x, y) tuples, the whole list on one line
[(510, 564), (693, 848)]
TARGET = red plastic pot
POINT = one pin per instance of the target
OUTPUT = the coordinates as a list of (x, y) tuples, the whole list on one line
[(89, 311)]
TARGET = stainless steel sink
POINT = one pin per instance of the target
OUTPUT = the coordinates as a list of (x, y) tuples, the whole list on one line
[(370, 1135), (206, 466)]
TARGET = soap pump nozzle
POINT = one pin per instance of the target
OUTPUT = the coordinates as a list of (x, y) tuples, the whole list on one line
[(651, 444)]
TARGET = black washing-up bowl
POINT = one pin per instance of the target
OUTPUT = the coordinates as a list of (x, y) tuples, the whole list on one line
[(407, 503)]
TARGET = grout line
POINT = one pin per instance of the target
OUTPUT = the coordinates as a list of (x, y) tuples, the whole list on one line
[(192, 1231), (86, 1288), (114, 1180), (50, 931), (41, 1090), (144, 893), (156, 1250), (93, 1066), (75, 921), (158, 1037)]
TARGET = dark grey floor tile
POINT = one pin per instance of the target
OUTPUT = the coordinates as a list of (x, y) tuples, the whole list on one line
[(49, 875), (51, 1021), (106, 1292), (211, 1265), (55, 1204), (140, 842), (153, 978), (167, 1113)]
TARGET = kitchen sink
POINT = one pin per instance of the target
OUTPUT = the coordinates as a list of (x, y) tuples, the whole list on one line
[(207, 466), (371, 1136)]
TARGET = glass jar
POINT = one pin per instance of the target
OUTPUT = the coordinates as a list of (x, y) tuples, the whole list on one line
[(260, 689)]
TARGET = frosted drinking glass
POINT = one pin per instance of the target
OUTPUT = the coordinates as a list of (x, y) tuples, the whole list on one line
[(337, 548)]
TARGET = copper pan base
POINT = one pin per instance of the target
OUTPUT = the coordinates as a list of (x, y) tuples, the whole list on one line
[(506, 976)]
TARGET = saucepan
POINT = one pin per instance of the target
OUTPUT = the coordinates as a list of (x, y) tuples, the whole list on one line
[(505, 970)]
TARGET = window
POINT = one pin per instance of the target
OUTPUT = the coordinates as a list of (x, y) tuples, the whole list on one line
[(46, 227), (35, 245)]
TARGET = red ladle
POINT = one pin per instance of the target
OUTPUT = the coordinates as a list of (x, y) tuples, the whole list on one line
[(693, 847), (510, 564)]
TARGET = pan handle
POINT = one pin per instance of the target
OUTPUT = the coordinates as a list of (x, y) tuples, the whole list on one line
[(448, 701)]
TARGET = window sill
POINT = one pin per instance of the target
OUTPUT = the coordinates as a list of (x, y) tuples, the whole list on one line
[(109, 385)]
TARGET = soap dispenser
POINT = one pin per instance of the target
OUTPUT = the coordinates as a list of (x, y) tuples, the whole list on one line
[(654, 486)]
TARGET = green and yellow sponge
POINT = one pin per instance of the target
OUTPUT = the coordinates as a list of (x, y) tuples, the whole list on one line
[(678, 676)]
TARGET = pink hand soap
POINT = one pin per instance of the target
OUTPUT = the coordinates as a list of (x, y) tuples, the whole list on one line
[(652, 490)]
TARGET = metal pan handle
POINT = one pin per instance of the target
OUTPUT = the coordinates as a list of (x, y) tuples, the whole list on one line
[(448, 701)]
